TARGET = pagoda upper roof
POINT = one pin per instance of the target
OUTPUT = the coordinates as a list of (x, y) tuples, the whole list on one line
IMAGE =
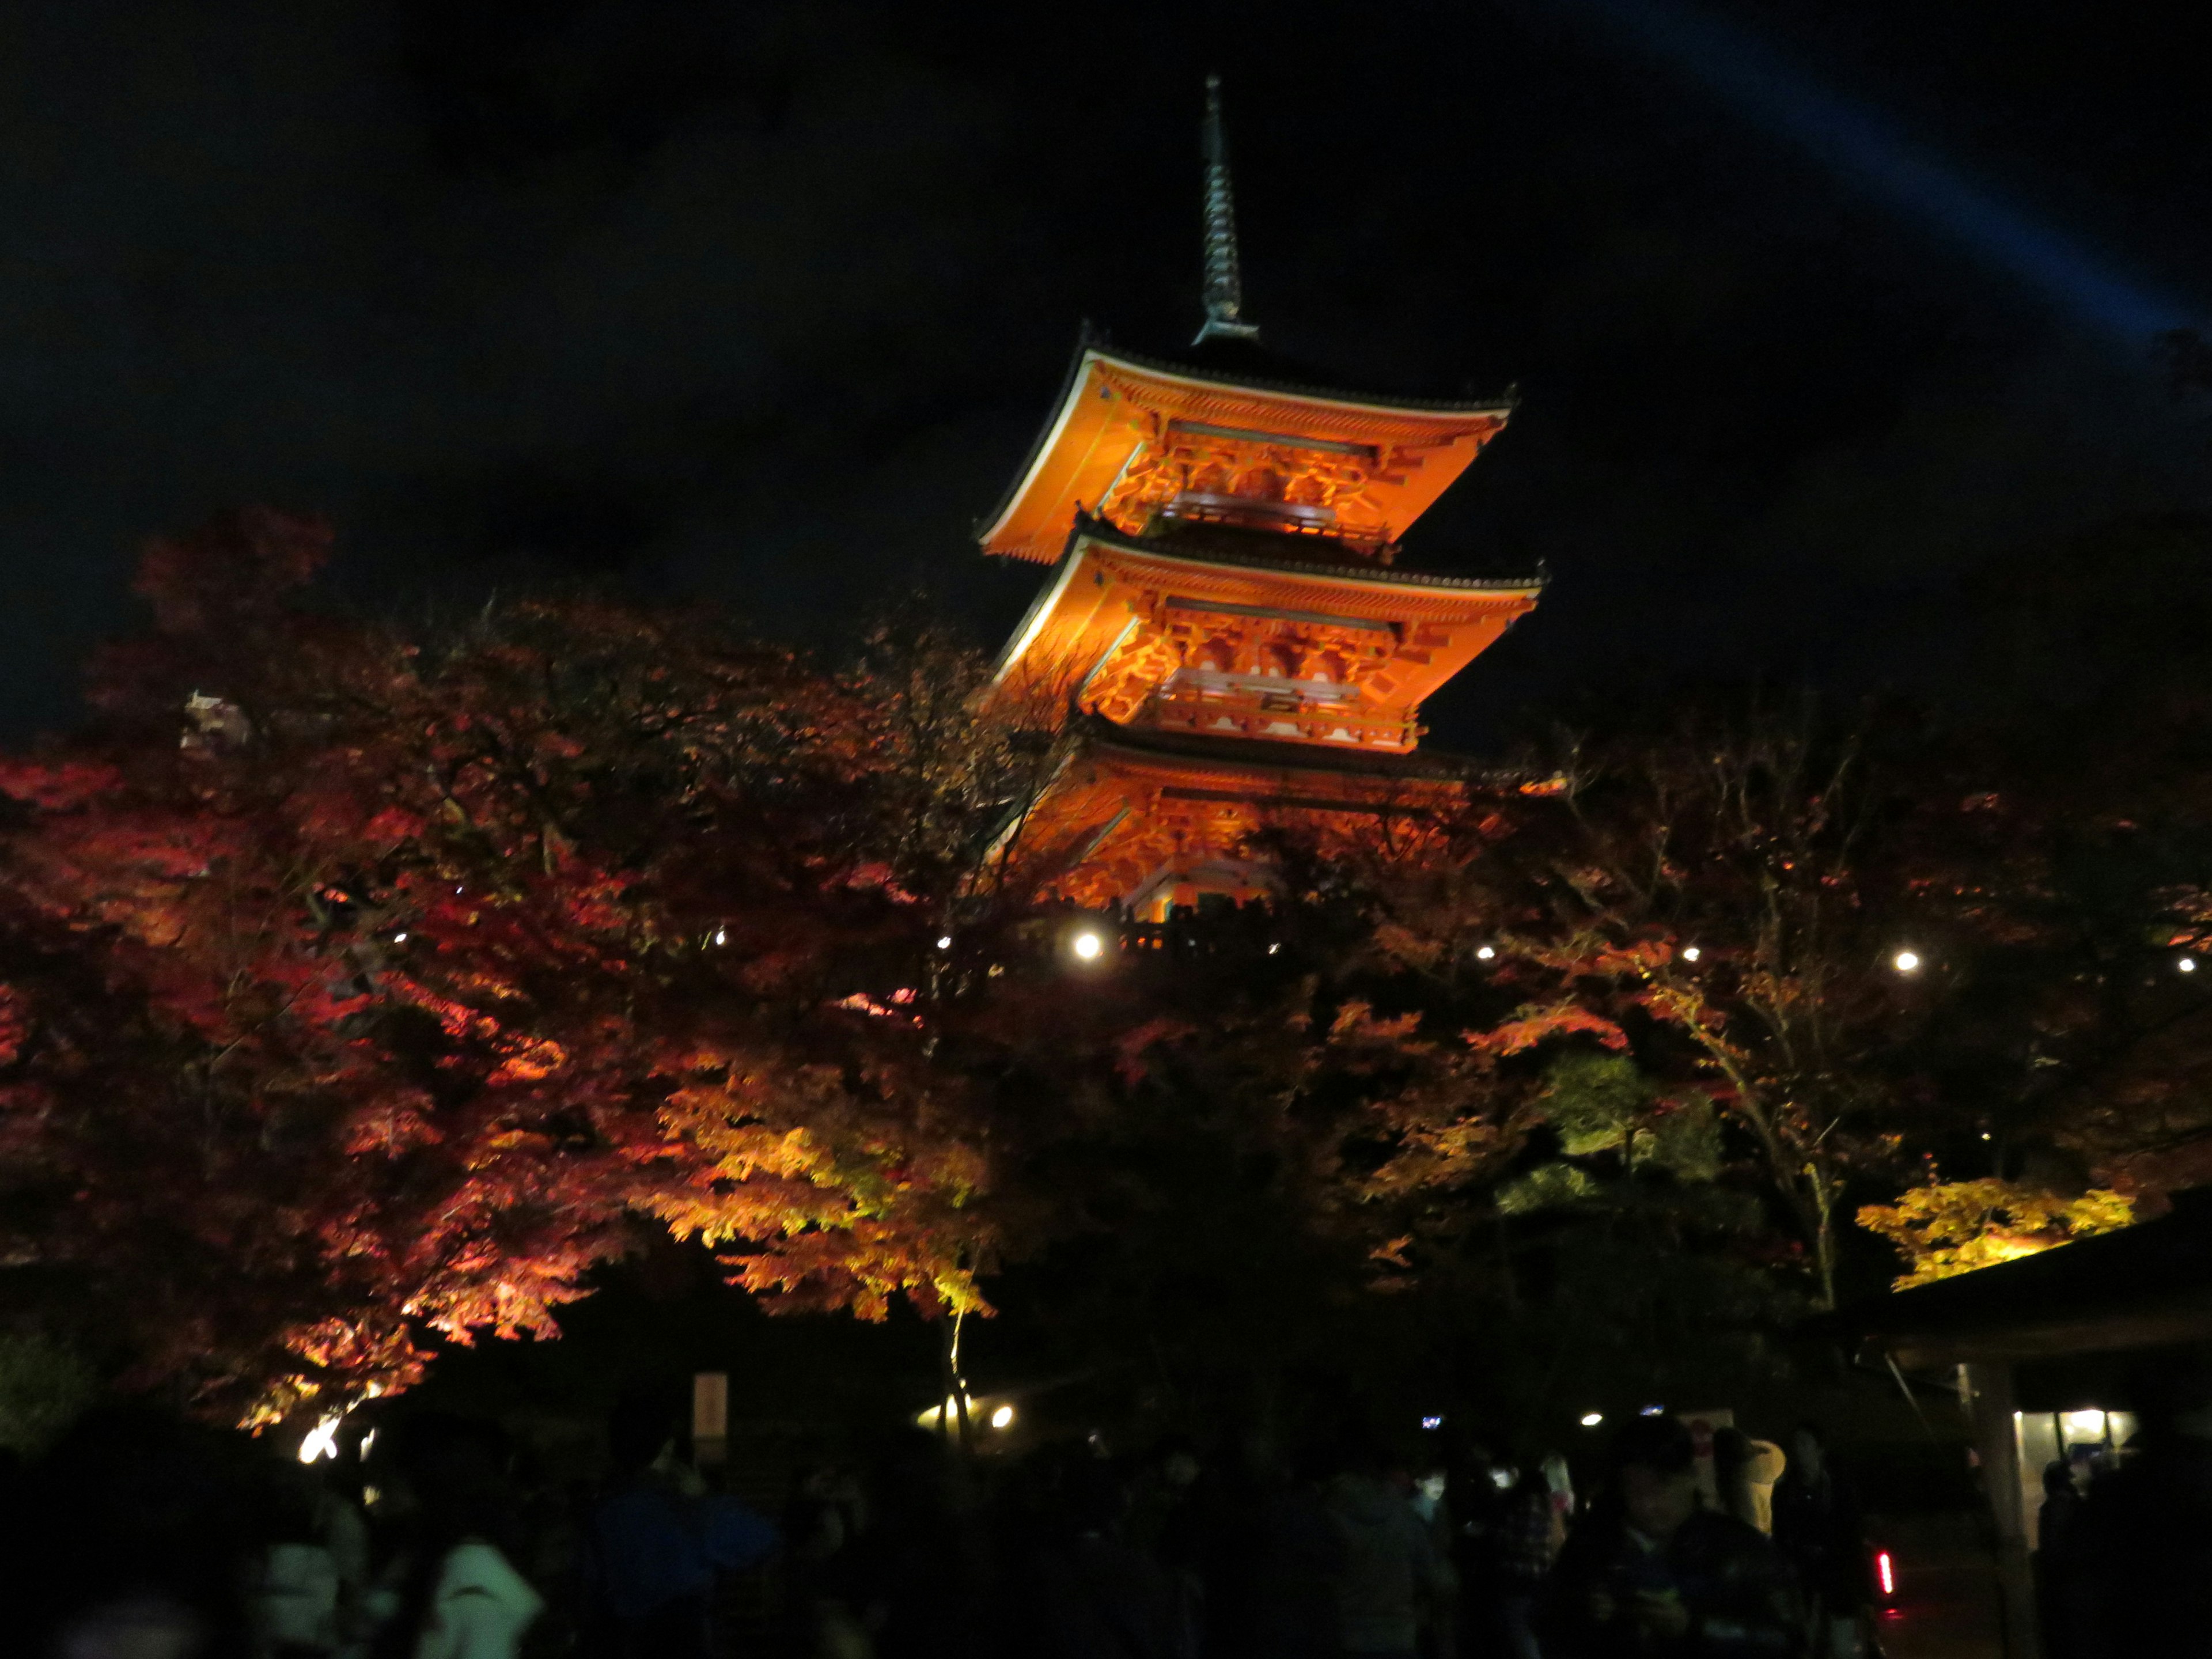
[(1233, 362), (1131, 433)]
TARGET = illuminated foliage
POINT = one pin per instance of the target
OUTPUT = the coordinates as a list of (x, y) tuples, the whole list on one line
[(1955, 1227), (357, 986)]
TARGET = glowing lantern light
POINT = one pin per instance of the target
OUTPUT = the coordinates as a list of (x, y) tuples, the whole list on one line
[(322, 1440)]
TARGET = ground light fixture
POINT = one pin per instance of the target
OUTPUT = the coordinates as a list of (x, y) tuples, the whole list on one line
[(1088, 946), (1906, 962), (1591, 1419)]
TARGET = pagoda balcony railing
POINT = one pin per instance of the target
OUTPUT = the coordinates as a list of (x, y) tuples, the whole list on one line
[(1197, 708)]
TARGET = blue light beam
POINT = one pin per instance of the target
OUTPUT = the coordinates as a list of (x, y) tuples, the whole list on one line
[(1859, 144)]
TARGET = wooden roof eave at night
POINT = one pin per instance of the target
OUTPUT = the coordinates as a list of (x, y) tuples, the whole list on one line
[(1139, 811), (1091, 606), (1118, 411)]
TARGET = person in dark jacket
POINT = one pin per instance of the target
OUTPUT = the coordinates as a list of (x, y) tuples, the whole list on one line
[(2142, 1541), (1819, 1530), (1653, 1575), (1389, 1579), (658, 1538)]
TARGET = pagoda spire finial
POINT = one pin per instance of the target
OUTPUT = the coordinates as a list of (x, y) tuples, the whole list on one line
[(1225, 283)]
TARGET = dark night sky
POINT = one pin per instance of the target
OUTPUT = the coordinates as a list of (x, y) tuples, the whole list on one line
[(764, 303)]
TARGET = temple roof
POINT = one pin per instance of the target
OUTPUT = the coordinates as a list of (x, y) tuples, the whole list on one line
[(1266, 549), (1130, 433), (1248, 362), (2142, 1286), (1268, 756), (1080, 621)]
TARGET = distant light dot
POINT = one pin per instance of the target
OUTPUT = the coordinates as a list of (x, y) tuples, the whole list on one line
[(2187, 964), (399, 938), (1485, 952), (1088, 946), (945, 941), (1652, 1411), (1906, 962), (721, 936), (1985, 1134), (1002, 1417), (1690, 953), (1272, 949), (1432, 1422), (1591, 1419)]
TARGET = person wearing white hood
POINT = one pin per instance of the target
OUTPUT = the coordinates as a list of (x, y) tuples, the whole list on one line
[(1390, 1577)]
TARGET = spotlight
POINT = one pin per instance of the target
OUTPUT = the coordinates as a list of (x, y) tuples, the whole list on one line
[(1088, 946)]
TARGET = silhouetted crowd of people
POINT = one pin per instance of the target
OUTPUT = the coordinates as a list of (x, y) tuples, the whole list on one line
[(2124, 1564), (140, 1538)]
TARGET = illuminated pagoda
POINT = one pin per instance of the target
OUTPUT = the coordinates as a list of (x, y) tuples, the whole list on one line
[(1226, 615)]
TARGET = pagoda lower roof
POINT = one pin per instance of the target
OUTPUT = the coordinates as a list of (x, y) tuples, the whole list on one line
[(1263, 757)]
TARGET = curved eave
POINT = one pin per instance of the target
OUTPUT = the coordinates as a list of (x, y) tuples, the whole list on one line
[(1055, 424), (1361, 585), (1354, 408), (1333, 397), (1371, 577), (1261, 759)]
